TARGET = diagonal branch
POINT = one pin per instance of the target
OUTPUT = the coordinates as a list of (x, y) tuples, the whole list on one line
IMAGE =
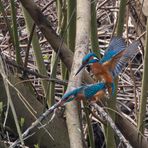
[(112, 124)]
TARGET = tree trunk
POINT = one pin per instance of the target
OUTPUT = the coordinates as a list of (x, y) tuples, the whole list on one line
[(82, 42)]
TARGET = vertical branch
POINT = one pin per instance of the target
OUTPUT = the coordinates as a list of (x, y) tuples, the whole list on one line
[(90, 128), (109, 133), (121, 16), (53, 70), (143, 100), (82, 42), (63, 18), (94, 37), (71, 20), (15, 33), (65, 54), (37, 50), (59, 14), (71, 28), (54, 59), (110, 139), (63, 33)]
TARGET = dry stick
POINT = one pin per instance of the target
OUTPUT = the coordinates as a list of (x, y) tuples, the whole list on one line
[(56, 80), (134, 90), (112, 124), (28, 47), (96, 116), (102, 4), (36, 123)]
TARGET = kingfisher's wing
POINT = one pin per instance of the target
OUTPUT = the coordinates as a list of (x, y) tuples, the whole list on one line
[(130, 52), (111, 64), (116, 45), (91, 90)]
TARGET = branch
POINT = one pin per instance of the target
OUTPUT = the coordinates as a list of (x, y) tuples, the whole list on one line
[(82, 43), (29, 71), (112, 124)]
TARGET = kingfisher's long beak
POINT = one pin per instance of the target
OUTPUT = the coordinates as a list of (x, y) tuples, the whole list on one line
[(81, 67)]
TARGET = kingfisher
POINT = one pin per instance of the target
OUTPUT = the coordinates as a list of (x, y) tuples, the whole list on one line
[(89, 92), (115, 58), (101, 67)]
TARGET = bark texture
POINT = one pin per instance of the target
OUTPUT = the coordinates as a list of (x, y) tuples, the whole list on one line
[(82, 42)]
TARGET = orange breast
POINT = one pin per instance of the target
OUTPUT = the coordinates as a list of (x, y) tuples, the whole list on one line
[(101, 72), (96, 69), (107, 77)]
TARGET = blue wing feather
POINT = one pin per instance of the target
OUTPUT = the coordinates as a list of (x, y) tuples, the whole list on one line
[(91, 90), (130, 52), (116, 45), (88, 91)]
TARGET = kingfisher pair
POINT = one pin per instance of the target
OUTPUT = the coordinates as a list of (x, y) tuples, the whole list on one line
[(115, 58)]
